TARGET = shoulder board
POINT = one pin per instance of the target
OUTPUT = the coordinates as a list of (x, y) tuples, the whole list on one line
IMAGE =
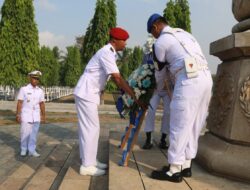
[(112, 49)]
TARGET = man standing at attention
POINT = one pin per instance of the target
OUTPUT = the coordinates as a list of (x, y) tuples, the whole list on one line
[(87, 97), (183, 56), (30, 112)]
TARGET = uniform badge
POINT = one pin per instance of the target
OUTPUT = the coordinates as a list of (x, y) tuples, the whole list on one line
[(191, 67)]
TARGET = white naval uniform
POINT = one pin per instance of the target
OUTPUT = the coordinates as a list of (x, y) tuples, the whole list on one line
[(159, 93), (30, 116), (190, 100), (87, 96)]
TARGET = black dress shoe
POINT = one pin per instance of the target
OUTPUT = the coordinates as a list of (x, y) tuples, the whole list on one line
[(147, 146), (185, 173), (163, 145), (165, 168), (162, 175)]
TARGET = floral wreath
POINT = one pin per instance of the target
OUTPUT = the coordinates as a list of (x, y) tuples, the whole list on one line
[(142, 81)]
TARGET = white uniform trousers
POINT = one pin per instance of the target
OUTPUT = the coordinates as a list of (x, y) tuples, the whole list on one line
[(88, 130), (188, 112), (29, 133), (150, 118)]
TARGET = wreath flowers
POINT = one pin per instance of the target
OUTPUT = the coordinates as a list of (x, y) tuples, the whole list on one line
[(142, 81)]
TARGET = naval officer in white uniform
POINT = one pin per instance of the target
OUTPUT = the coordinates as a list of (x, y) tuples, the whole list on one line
[(30, 112), (159, 93), (183, 56), (87, 97)]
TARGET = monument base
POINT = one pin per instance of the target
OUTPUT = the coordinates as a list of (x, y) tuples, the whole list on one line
[(223, 158)]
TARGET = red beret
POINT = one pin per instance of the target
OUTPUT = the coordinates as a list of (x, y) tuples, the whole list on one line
[(119, 33)]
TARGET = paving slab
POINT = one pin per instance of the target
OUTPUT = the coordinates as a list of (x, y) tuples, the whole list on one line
[(201, 179), (101, 182), (121, 178), (12, 184), (155, 158), (72, 179), (16, 172), (148, 161), (74, 184), (16, 178)]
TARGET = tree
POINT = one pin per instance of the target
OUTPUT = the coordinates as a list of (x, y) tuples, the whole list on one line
[(97, 31), (56, 52), (124, 70), (123, 62), (135, 58), (19, 45), (49, 67), (184, 20), (79, 42), (72, 66), (169, 13), (112, 13), (60, 57), (86, 41), (177, 14)]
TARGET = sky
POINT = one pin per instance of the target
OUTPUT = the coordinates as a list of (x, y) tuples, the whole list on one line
[(60, 21)]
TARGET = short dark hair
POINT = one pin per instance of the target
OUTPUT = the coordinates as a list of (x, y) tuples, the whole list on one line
[(162, 20)]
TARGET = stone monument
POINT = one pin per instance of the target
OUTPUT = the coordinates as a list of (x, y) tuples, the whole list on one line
[(225, 149)]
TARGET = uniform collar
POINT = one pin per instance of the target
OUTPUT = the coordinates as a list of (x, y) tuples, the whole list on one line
[(166, 28), (31, 87)]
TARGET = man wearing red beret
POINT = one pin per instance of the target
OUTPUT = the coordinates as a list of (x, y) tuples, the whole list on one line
[(87, 97)]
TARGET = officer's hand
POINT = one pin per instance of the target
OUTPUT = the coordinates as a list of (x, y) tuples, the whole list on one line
[(18, 118)]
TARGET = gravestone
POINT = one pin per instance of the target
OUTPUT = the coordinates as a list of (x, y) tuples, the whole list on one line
[(225, 148)]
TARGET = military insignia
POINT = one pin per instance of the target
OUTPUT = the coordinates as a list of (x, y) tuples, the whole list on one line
[(112, 49), (191, 67)]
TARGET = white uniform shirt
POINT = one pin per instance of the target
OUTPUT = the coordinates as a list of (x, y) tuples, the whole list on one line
[(31, 97), (168, 48), (93, 80)]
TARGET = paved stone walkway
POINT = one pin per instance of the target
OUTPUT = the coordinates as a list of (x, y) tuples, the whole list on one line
[(58, 166), (142, 162)]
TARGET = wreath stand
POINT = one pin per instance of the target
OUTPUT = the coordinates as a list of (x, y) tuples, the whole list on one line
[(129, 139)]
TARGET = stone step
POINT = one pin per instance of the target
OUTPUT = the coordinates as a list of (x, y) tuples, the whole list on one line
[(22, 169), (142, 162), (73, 180), (137, 174), (50, 172)]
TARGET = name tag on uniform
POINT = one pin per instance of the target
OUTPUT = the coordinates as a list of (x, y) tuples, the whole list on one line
[(191, 67)]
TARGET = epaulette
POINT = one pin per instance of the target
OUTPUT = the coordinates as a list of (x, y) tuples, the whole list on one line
[(112, 49)]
